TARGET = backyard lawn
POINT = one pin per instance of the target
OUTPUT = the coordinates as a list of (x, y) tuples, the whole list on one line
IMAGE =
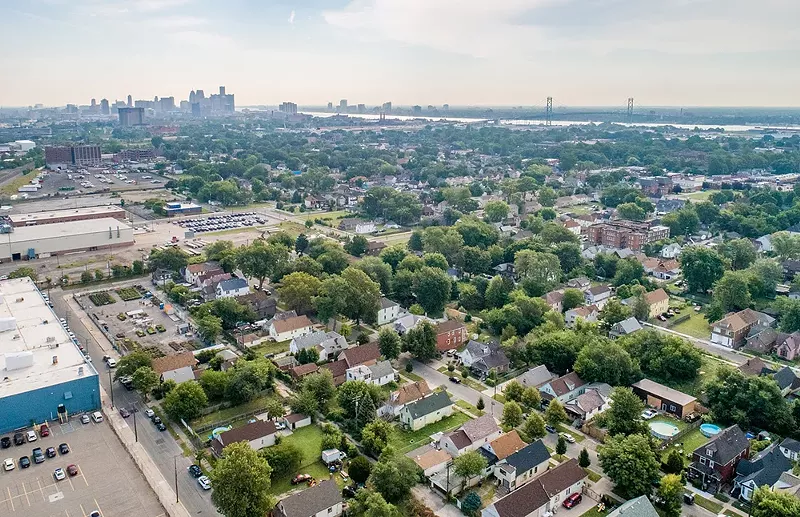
[(688, 443), (696, 386), (309, 440), (231, 412), (404, 441), (271, 348), (708, 504), (695, 326)]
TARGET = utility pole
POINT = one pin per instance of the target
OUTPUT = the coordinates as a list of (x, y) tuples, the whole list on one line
[(135, 430), (175, 458)]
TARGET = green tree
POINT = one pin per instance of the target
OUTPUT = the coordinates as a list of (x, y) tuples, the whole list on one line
[(701, 267), (469, 465), (357, 246), (766, 503), (740, 252), (555, 413), (321, 386), (765, 275), (605, 361), (389, 343), (556, 350), (241, 481), (170, 258), (185, 401), (132, 362), (359, 469), (24, 271), (561, 446), (671, 491), (274, 409), (629, 271), (376, 436), (786, 245), (663, 356), (284, 458), (145, 380), (371, 504), (547, 196), (421, 341), (631, 211), (630, 463), (393, 255), (436, 260), (480, 405), (531, 399), (432, 288), (624, 414), (301, 243), (469, 298), (674, 463), (512, 415), (495, 211), (260, 260), (732, 291), (583, 458), (572, 298), (513, 391), (533, 428), (471, 504), (214, 383), (614, 312), (497, 292), (86, 277), (248, 379), (209, 327), (393, 476), (640, 308), (298, 290), (378, 271), (543, 269)]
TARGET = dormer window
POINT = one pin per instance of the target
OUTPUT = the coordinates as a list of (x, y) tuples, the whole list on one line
[(709, 452)]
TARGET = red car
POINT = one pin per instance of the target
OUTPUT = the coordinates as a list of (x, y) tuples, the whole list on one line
[(573, 500), (72, 470), (44, 431), (301, 478)]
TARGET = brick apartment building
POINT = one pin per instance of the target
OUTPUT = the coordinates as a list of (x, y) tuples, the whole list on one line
[(73, 155), (625, 234)]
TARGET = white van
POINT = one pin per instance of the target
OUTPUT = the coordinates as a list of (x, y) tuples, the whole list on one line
[(97, 417)]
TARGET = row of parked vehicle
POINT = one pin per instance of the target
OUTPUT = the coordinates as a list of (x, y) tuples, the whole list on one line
[(38, 456), (222, 222)]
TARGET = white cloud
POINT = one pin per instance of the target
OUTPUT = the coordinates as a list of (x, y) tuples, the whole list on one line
[(291, 17), (508, 28), (207, 40)]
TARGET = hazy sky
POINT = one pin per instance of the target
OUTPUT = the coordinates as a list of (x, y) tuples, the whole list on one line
[(462, 52)]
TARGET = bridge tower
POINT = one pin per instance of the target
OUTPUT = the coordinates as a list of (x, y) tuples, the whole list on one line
[(630, 109), (548, 114)]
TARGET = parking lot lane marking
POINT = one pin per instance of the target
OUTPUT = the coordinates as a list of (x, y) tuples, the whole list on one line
[(82, 510), (40, 489), (82, 474), (25, 490), (10, 499), (70, 483), (96, 505)]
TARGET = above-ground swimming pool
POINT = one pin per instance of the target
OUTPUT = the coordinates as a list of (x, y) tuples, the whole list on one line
[(710, 430), (663, 430)]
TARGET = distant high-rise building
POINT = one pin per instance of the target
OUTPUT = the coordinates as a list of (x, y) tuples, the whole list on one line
[(362, 108), (387, 107), (72, 155), (288, 107), (343, 104), (94, 103), (129, 117), (185, 106), (167, 104), (195, 109), (330, 105), (130, 101), (445, 107), (431, 107), (222, 90), (104, 107), (192, 97), (416, 109), (199, 95)]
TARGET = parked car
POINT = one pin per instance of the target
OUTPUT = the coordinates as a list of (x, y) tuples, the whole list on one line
[(204, 482), (72, 470), (50, 452), (150, 413), (95, 514), (550, 429), (349, 491), (97, 417), (161, 426), (124, 412), (38, 455), (84, 418), (568, 437), (455, 379), (647, 414), (5, 442), (31, 436), (63, 448), (156, 420), (301, 478), (24, 462), (19, 439), (44, 431), (9, 464), (573, 500), (195, 471), (59, 474)]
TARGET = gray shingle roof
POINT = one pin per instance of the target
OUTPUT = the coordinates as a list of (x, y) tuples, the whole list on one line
[(381, 369), (527, 458), (725, 446), (786, 378), (639, 507), (791, 444), (386, 303), (233, 283), (536, 376), (480, 427), (627, 326), (311, 501), (765, 468), (429, 404)]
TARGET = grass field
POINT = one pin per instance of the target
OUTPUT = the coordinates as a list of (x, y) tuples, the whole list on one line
[(695, 326), (697, 196), (309, 440), (708, 504), (231, 412), (405, 441), (688, 443), (271, 348), (334, 217), (397, 238), (469, 407), (696, 386), (11, 187), (293, 229)]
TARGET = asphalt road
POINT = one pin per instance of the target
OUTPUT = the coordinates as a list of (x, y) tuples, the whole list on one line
[(161, 446), (435, 378)]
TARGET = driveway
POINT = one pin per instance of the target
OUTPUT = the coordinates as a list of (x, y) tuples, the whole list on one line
[(461, 391)]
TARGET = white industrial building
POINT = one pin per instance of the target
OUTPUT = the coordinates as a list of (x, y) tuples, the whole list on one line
[(44, 374), (45, 240), (65, 216)]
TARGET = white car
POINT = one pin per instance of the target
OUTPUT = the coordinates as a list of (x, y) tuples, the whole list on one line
[(31, 435), (149, 413), (568, 437), (59, 474), (647, 414), (204, 482), (9, 464), (112, 363)]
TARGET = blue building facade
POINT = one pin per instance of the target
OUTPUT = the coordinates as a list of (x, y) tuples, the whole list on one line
[(36, 406)]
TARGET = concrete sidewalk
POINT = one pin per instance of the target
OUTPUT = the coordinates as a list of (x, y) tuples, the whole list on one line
[(153, 476)]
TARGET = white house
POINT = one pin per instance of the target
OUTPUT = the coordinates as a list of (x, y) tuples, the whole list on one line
[(177, 367), (671, 251), (378, 374), (388, 312), (193, 271), (290, 328), (327, 344), (588, 314), (470, 436), (476, 350), (790, 448), (258, 435), (322, 500), (404, 395), (367, 227), (522, 466), (232, 288), (590, 403), (598, 295), (425, 411)]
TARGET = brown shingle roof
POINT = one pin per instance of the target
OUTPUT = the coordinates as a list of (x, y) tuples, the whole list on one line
[(431, 458), (447, 326), (361, 354), (290, 324), (257, 429), (411, 392), (566, 383), (460, 439), (173, 362), (507, 444), (659, 295), (304, 369)]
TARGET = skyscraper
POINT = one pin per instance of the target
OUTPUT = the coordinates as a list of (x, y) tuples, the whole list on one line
[(129, 117), (130, 101), (104, 108), (330, 105), (343, 104), (94, 103), (192, 98), (222, 90), (387, 107)]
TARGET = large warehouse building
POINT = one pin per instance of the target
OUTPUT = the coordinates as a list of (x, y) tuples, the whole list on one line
[(45, 240), (65, 216), (44, 374)]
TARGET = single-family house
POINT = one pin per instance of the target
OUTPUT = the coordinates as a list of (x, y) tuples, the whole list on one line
[(450, 335), (365, 354), (587, 313), (790, 448), (598, 295), (671, 251), (378, 374), (755, 366), (589, 404), (302, 370), (765, 468), (639, 507), (666, 270), (624, 327), (714, 463), (664, 206), (788, 381), (294, 421), (327, 344), (522, 466), (192, 271), (432, 461), (542, 496), (563, 389), (322, 500), (471, 435), (177, 367), (657, 302), (506, 270), (285, 363), (790, 269), (290, 328), (232, 288), (388, 312), (535, 377), (582, 283), (258, 435), (263, 305), (405, 394), (160, 277), (500, 448), (555, 299), (762, 339), (732, 330), (338, 369), (664, 398), (409, 321), (484, 357), (374, 248), (428, 410), (789, 348)]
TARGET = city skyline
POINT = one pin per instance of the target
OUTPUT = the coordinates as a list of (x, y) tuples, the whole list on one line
[(466, 53)]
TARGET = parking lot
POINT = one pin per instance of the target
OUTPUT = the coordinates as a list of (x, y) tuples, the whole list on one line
[(143, 321), (107, 479), (76, 183), (225, 221)]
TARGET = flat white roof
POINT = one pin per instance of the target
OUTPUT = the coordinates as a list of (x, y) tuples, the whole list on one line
[(42, 217), (37, 334), (67, 229)]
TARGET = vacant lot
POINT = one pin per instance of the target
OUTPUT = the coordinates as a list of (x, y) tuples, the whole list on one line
[(404, 441), (309, 440)]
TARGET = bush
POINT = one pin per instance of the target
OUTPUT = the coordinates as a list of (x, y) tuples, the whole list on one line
[(102, 298)]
